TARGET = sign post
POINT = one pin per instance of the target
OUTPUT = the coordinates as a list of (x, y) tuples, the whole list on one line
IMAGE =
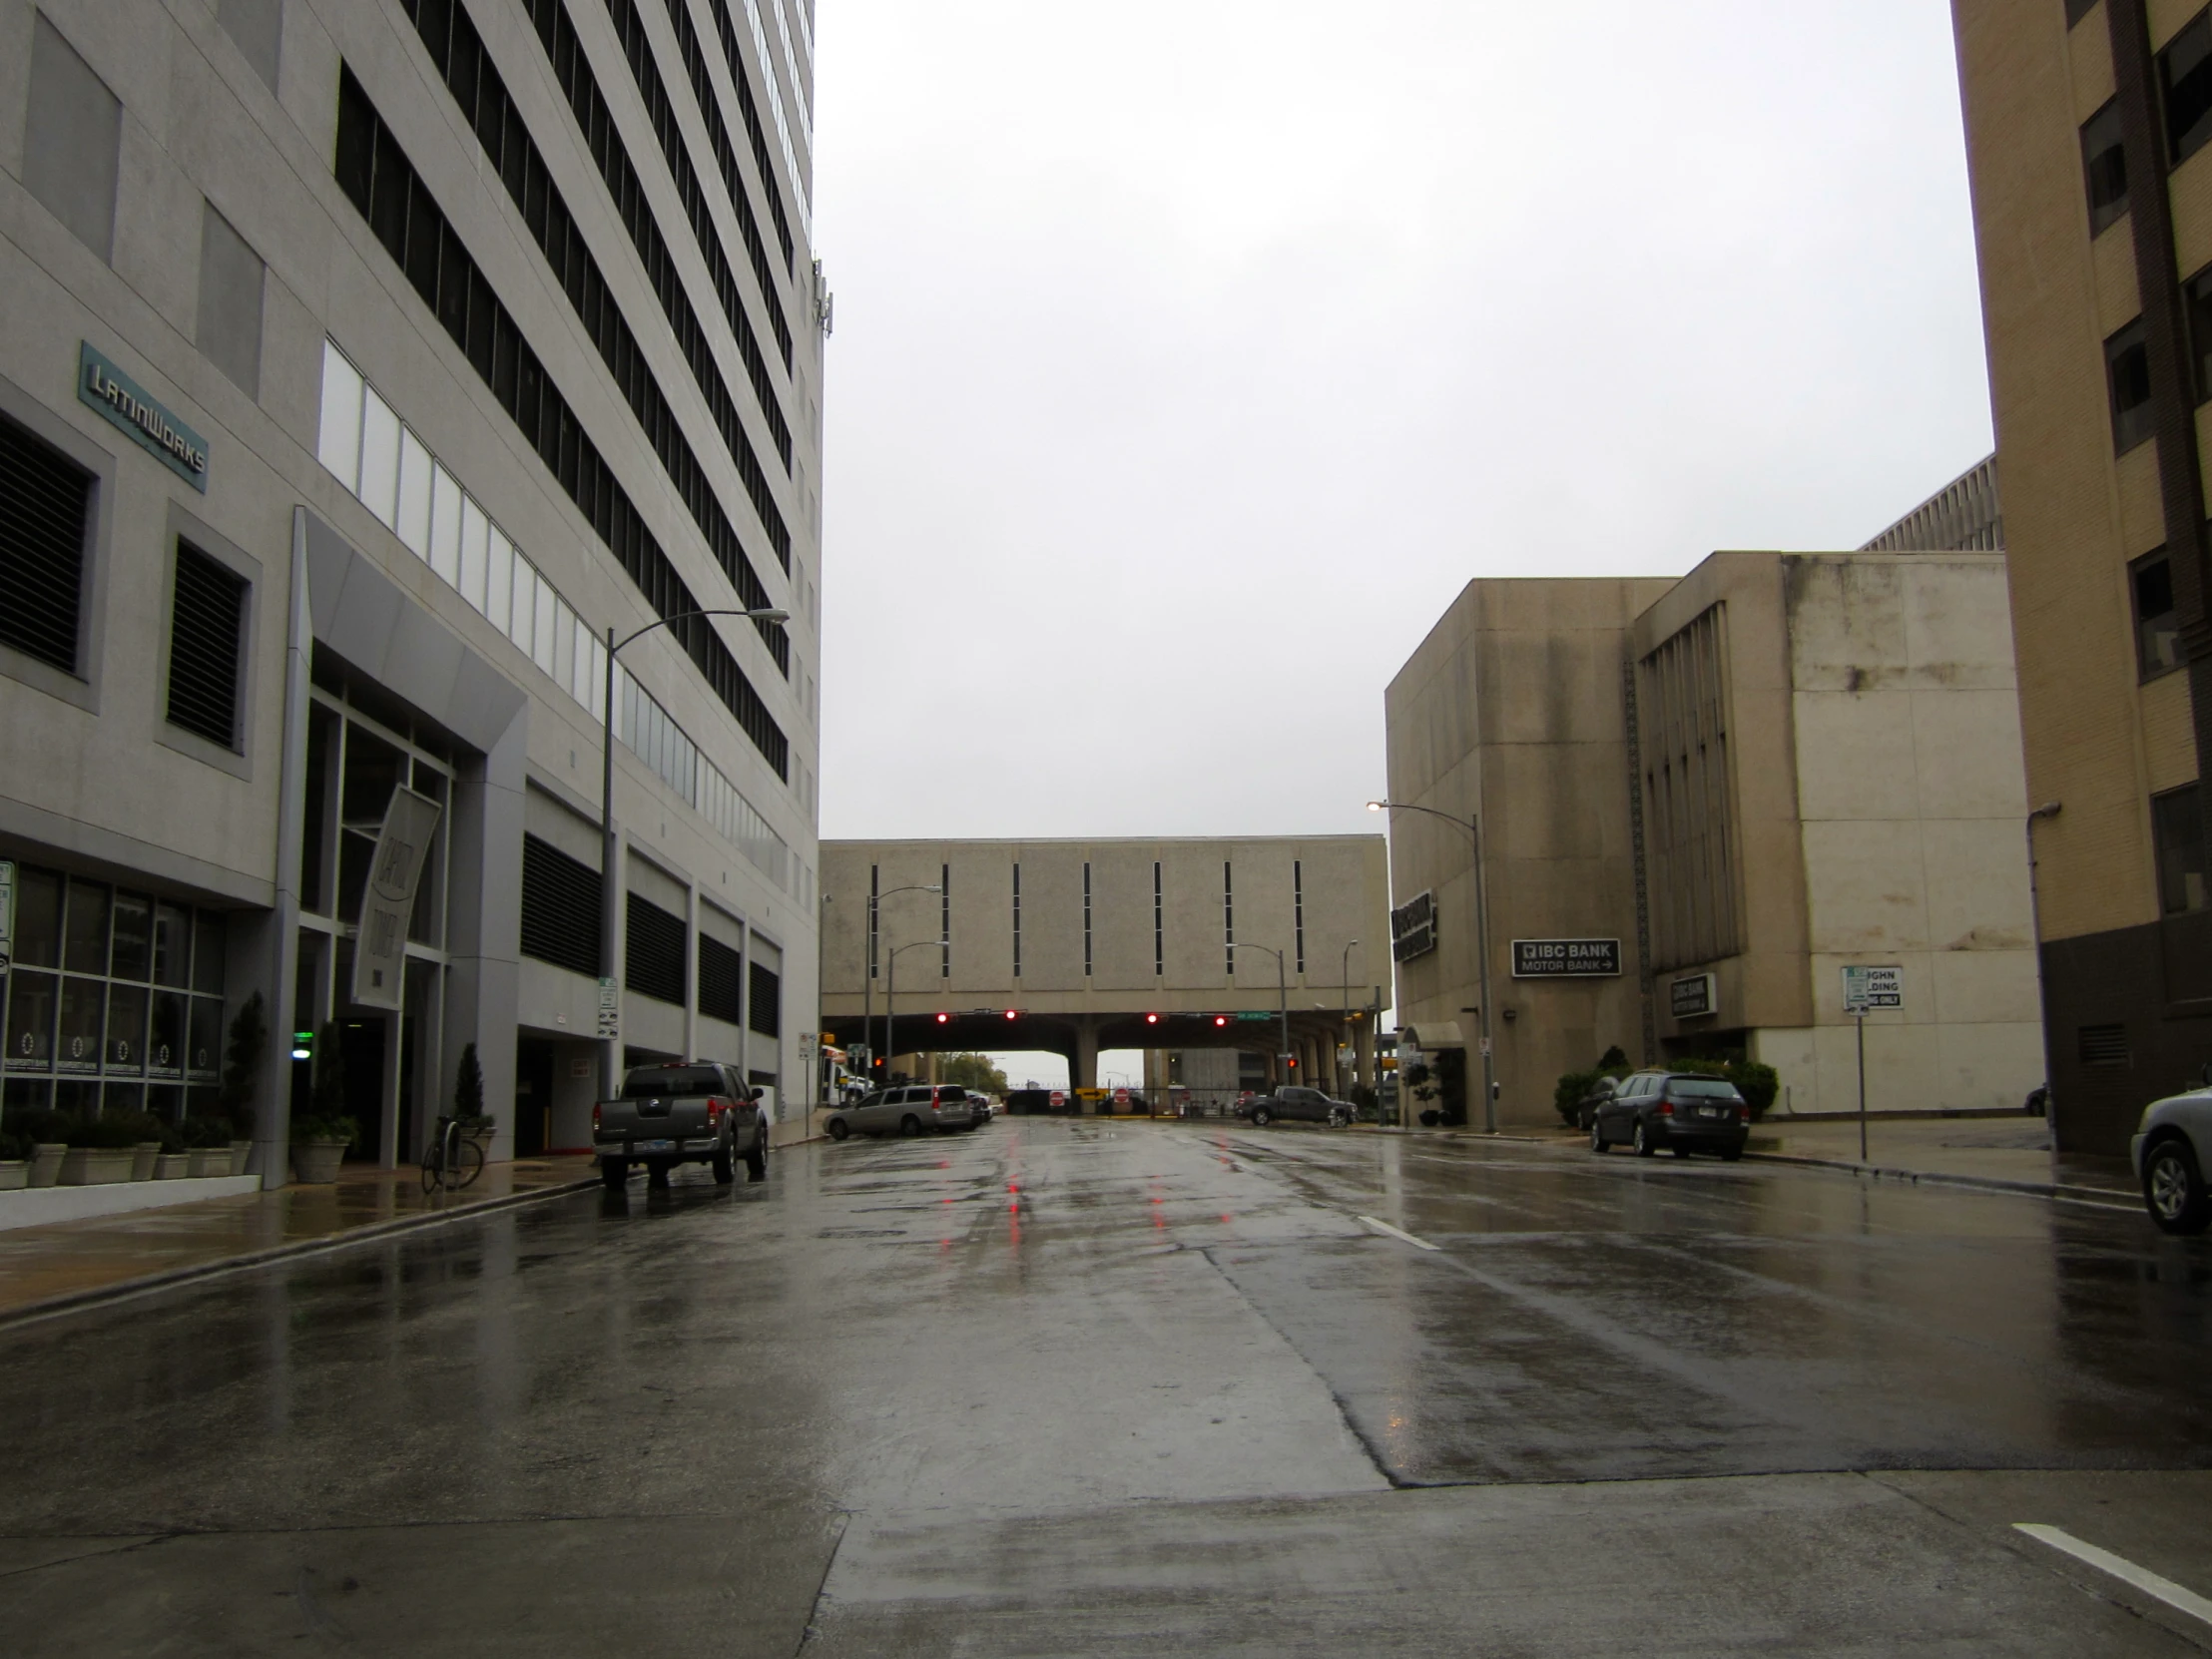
[(1865, 989)]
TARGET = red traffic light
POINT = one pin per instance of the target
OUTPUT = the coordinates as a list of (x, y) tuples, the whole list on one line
[(1013, 1013), (943, 1019), (1221, 1019), (1152, 1020)]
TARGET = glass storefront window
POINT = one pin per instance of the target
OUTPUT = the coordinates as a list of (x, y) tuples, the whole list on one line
[(165, 1048), (133, 938), (126, 1030), (31, 1021), (204, 1040), (85, 939), (125, 1097), (82, 1015), (172, 946), (38, 918)]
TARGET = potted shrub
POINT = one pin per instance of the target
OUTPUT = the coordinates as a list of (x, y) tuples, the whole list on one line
[(468, 1102), (242, 1066), (101, 1150), (147, 1147), (175, 1159), (15, 1161), (320, 1139), (207, 1146)]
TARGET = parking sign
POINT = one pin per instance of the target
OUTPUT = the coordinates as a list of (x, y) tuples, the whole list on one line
[(1869, 989)]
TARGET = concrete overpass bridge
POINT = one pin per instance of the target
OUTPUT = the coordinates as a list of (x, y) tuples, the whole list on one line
[(1073, 946)]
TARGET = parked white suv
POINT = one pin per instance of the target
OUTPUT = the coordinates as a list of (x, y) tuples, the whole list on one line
[(908, 1110)]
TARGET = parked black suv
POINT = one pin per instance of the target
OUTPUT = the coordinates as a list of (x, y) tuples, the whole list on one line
[(1681, 1110)]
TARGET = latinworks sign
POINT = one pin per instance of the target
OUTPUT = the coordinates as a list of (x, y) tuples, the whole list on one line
[(125, 403)]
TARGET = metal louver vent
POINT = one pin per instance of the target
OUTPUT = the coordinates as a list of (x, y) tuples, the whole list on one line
[(654, 962), (767, 1001), (204, 624), (720, 982), (2105, 1045), (43, 502), (560, 908)]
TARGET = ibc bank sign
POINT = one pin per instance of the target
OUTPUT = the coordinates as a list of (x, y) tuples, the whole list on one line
[(1566, 958)]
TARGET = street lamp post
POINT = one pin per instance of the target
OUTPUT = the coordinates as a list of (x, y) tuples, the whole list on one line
[(610, 915), (890, 991), (867, 970), (1282, 991), (1474, 824), (1344, 1011)]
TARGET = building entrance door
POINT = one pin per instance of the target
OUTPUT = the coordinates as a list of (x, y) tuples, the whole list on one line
[(533, 1096), (362, 1050)]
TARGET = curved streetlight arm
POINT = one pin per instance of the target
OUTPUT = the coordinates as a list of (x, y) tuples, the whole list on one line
[(1472, 823), (890, 982), (766, 614)]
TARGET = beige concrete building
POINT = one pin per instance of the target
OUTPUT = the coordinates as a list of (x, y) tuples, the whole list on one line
[(362, 366), (1727, 788), (2087, 129), (1154, 946)]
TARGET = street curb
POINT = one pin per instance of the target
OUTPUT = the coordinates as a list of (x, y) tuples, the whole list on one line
[(70, 1301), (1974, 1183)]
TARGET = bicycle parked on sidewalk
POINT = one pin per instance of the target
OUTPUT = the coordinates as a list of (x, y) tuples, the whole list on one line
[(454, 1160)]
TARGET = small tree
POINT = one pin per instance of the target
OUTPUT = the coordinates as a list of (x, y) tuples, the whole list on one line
[(242, 1064), (971, 1071), (468, 1092)]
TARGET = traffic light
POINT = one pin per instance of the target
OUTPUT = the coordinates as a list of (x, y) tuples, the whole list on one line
[(944, 1019), (302, 1045), (1013, 1013), (1152, 1020), (1221, 1019)]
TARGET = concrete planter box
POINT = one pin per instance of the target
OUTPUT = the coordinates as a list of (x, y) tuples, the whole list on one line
[(172, 1165), (141, 1160), (46, 1163), (15, 1174), (241, 1151), (96, 1166), (209, 1160), (316, 1163)]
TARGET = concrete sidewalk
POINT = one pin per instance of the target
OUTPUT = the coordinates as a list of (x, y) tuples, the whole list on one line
[(66, 1263), (2008, 1153)]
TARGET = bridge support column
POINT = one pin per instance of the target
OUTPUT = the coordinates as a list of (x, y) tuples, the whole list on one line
[(1084, 1072)]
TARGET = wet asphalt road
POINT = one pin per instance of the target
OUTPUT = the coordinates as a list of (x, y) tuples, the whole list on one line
[(1066, 1388)]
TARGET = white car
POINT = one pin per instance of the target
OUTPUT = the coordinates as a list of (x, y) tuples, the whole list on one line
[(2171, 1150)]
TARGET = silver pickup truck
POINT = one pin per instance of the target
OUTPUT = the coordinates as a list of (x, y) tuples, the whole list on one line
[(701, 1113)]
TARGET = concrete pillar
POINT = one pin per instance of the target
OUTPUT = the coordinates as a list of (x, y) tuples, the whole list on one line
[(1363, 1053), (1083, 1069), (387, 1150), (690, 972), (484, 917)]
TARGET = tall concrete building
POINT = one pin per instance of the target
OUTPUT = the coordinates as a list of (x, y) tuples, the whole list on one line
[(363, 365), (1701, 801), (2087, 127)]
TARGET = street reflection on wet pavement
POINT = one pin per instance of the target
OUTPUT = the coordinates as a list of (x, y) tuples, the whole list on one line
[(1061, 1385)]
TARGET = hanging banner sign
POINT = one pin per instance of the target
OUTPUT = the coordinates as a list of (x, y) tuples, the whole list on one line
[(388, 903)]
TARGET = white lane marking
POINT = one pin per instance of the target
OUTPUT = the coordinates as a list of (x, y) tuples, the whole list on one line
[(1387, 1229), (2126, 1571)]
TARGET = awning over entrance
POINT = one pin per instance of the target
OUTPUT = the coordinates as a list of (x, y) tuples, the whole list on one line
[(1432, 1034)]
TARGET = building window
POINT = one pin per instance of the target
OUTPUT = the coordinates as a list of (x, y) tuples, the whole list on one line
[(1298, 910), (2127, 368), (720, 982), (768, 1002), (560, 908), (2185, 81), (2104, 166), (2177, 834), (944, 919), (2157, 631), (1086, 920), (113, 1003), (72, 139), (257, 27), (874, 891), (45, 501), (206, 624), (652, 957), (1017, 921), (1159, 925), (229, 332), (2077, 10), (1228, 920)]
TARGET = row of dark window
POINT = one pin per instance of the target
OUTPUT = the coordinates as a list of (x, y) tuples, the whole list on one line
[(749, 111), (660, 109), (557, 34), (576, 271), (505, 139), (379, 179), (45, 512), (560, 925), (2127, 365)]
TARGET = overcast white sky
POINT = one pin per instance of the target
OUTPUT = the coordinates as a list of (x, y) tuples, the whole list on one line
[(1191, 354)]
